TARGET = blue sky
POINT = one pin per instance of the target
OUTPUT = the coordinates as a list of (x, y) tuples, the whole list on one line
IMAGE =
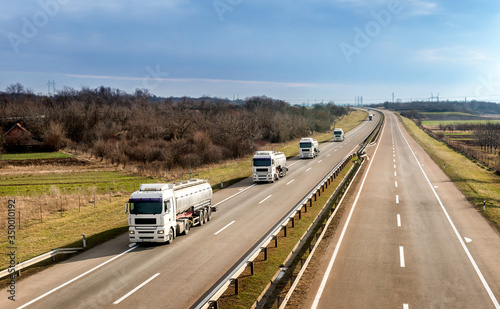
[(298, 51)]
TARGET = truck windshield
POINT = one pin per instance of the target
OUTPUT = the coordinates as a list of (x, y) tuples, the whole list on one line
[(262, 162), (145, 207), (305, 145), (337, 133)]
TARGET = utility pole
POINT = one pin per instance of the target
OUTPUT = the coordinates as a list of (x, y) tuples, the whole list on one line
[(53, 84)]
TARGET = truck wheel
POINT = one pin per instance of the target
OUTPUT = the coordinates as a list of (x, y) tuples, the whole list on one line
[(209, 213), (205, 217), (201, 217), (186, 228), (170, 237)]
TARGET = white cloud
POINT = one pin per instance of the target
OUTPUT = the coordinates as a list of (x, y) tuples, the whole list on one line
[(420, 7), (459, 54)]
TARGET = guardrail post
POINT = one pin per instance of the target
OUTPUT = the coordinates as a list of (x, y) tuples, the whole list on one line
[(315, 196), (213, 304), (284, 231), (251, 269), (293, 222), (265, 250), (236, 287), (300, 213), (276, 241), (310, 203), (84, 241)]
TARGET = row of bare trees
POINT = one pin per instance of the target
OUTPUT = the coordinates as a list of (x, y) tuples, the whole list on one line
[(173, 132)]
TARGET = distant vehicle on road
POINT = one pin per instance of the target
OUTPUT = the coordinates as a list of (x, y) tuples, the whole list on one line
[(370, 117), (338, 135), (268, 166), (309, 147)]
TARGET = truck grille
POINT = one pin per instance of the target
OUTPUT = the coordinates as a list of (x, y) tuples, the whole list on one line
[(261, 170), (145, 221)]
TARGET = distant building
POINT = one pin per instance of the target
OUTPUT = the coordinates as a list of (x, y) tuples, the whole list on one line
[(19, 139)]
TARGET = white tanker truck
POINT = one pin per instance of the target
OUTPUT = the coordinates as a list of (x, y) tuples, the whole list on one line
[(268, 166), (158, 212), (308, 148)]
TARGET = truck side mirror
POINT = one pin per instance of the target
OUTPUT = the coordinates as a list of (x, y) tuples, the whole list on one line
[(126, 207)]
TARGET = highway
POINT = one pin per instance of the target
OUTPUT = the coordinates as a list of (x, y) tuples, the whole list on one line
[(408, 239), (118, 275)]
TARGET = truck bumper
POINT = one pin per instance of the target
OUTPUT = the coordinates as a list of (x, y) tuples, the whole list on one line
[(307, 155), (262, 178), (148, 235)]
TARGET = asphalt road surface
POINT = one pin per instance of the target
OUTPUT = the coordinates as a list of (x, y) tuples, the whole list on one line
[(409, 239), (115, 275)]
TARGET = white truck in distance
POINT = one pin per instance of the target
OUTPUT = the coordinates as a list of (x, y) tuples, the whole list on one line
[(160, 211), (309, 147), (268, 166), (370, 117), (338, 135)]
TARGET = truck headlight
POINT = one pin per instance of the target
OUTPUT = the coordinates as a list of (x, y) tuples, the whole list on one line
[(161, 232), (131, 232)]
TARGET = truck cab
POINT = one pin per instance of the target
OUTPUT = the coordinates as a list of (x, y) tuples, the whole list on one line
[(308, 148), (338, 135), (151, 214)]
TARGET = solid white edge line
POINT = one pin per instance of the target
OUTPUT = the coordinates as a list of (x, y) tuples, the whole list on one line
[(337, 247), (399, 220), (265, 199), (402, 256), (134, 290), (222, 229), (234, 195), (469, 255), (290, 182), (76, 278)]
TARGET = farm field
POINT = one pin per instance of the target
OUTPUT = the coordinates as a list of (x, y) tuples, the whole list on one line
[(445, 122)]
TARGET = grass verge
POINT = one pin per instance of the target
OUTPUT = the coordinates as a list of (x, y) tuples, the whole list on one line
[(476, 182)]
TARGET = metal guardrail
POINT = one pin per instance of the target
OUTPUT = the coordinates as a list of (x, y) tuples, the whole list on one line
[(209, 300), (38, 259)]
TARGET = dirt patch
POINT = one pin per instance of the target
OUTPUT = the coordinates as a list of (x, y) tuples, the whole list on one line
[(38, 162)]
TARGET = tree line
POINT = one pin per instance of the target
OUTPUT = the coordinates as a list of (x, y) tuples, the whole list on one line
[(135, 128)]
